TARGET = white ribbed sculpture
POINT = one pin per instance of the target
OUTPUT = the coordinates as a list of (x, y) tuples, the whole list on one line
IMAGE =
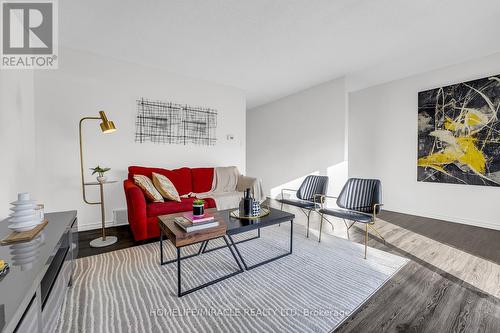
[(23, 216), (26, 253)]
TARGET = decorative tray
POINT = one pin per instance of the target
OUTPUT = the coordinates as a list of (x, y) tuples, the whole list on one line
[(24, 236), (263, 212)]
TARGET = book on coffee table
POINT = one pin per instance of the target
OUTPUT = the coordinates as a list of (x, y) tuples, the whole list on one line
[(207, 217), (189, 226)]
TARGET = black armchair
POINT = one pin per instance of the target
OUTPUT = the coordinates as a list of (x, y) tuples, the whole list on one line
[(359, 201), (309, 196)]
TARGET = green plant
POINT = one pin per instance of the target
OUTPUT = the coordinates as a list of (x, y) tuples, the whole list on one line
[(198, 202), (100, 171)]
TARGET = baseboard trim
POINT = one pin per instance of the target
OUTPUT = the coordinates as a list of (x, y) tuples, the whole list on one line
[(98, 225), (445, 218)]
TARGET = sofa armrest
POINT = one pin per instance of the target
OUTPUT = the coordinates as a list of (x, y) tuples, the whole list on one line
[(253, 183), (136, 209)]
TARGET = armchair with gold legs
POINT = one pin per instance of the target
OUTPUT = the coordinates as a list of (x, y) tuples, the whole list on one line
[(359, 202), (308, 196)]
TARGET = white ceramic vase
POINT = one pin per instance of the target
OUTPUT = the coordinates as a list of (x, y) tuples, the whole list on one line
[(23, 216), (102, 179)]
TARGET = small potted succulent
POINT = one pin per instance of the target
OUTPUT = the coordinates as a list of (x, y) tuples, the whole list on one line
[(100, 171), (198, 207)]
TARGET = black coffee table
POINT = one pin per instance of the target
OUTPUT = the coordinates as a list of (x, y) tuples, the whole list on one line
[(228, 227), (237, 226)]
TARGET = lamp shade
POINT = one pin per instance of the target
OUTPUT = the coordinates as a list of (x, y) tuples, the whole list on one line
[(107, 126)]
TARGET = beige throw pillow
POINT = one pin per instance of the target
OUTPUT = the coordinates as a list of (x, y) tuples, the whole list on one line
[(165, 187), (148, 188)]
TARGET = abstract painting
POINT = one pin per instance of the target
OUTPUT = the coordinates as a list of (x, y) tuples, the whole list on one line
[(459, 133), (167, 122)]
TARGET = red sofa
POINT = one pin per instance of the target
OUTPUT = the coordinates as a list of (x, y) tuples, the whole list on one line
[(143, 215)]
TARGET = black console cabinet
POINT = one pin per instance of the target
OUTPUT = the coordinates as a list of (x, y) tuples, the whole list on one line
[(32, 293)]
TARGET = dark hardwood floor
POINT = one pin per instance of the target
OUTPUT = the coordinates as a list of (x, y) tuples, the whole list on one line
[(451, 284), (123, 233), (481, 242)]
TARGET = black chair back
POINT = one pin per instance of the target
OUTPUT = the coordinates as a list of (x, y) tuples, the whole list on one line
[(361, 194), (312, 185)]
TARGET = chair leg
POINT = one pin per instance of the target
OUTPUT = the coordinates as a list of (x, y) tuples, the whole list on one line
[(346, 229), (366, 238), (327, 220), (349, 227), (376, 231), (281, 208), (307, 232), (331, 224), (320, 228)]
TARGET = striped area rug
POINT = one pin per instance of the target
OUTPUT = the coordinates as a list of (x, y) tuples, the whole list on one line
[(312, 290)]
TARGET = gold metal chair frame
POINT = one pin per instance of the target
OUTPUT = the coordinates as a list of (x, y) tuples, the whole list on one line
[(303, 210), (367, 225)]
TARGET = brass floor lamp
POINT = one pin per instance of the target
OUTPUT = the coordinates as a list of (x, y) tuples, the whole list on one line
[(107, 126)]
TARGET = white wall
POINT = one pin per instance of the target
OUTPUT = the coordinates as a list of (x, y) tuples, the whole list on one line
[(86, 83), (17, 137), (383, 144), (298, 135)]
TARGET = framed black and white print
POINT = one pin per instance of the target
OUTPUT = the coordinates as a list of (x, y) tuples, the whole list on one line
[(171, 123)]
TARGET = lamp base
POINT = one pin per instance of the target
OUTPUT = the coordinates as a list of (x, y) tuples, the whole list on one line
[(100, 242)]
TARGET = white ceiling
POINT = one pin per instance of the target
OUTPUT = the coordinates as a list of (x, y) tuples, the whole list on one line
[(272, 48)]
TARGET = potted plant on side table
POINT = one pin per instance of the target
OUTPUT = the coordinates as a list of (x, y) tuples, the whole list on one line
[(100, 171), (198, 207)]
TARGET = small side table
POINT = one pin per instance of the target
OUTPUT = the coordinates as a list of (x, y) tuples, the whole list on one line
[(103, 240)]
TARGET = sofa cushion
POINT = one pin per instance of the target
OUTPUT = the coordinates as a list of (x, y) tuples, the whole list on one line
[(170, 207), (181, 178), (165, 187), (202, 179), (148, 188)]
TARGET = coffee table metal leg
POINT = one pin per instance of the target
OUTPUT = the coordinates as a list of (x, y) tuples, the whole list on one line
[(268, 260), (174, 260), (203, 244), (232, 252), (161, 247), (238, 252), (179, 293), (179, 258), (204, 247), (238, 242)]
